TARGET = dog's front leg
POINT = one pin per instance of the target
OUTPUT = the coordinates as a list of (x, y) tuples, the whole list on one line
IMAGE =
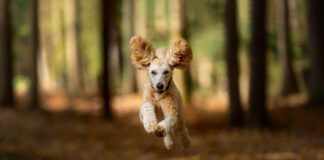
[(168, 123), (166, 127), (148, 117)]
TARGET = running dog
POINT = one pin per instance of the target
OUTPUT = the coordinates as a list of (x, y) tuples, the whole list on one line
[(160, 92)]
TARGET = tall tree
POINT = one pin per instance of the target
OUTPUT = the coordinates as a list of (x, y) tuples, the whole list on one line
[(289, 84), (232, 44), (150, 8), (34, 44), (56, 41), (258, 116), (80, 60), (297, 11), (116, 58), (160, 17), (6, 66), (133, 79), (71, 46), (177, 31), (141, 30), (107, 9), (316, 51), (47, 81), (119, 37)]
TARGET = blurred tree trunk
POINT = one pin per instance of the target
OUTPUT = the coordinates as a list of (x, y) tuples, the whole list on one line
[(258, 116), (316, 51), (34, 44), (133, 78), (177, 31), (56, 45), (188, 80), (115, 63), (299, 24), (46, 81), (235, 108), (6, 66), (106, 10), (120, 38), (80, 61), (161, 17), (289, 84), (71, 46), (140, 30), (150, 8)]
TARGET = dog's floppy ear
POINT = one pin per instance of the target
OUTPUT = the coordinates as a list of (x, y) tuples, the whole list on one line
[(142, 52), (180, 54)]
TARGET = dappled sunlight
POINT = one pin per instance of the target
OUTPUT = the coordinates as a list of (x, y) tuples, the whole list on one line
[(122, 104)]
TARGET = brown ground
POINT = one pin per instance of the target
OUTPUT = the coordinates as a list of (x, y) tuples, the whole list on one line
[(79, 135)]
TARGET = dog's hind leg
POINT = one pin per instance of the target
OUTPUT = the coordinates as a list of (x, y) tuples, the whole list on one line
[(169, 140), (184, 136)]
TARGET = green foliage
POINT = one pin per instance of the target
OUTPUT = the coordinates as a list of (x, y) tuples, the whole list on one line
[(244, 22), (90, 37), (159, 42), (274, 74), (21, 83), (20, 28), (209, 42), (300, 23), (204, 13)]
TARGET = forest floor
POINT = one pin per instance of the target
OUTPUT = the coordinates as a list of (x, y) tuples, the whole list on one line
[(58, 134)]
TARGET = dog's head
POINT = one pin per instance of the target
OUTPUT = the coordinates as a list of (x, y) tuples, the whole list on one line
[(161, 62)]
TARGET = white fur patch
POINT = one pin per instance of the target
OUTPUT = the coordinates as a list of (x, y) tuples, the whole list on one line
[(148, 117), (160, 72)]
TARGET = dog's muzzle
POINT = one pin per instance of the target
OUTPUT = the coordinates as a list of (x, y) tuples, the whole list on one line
[(160, 87)]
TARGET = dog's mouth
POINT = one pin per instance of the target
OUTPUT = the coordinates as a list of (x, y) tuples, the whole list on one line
[(160, 91)]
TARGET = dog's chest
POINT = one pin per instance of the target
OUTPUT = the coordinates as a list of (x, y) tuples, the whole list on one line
[(158, 96)]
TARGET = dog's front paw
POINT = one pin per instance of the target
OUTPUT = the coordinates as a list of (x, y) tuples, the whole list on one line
[(159, 131), (149, 128)]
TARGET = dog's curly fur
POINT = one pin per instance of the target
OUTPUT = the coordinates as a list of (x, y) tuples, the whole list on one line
[(142, 52), (181, 54), (159, 65)]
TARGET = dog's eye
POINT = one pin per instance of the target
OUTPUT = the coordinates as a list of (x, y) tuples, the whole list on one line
[(165, 72), (153, 72)]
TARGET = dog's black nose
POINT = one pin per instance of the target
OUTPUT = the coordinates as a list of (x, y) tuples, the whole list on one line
[(160, 86)]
